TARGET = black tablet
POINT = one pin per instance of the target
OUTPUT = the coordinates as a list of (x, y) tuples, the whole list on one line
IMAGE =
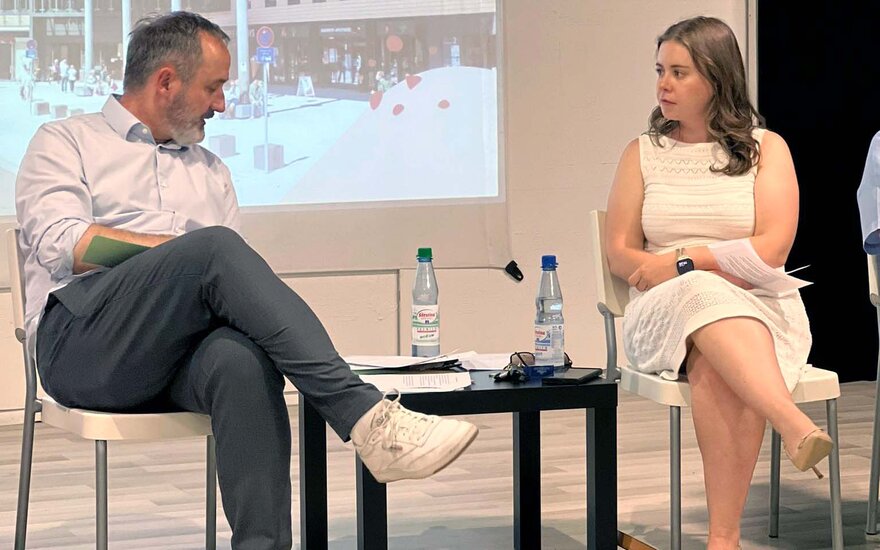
[(574, 375)]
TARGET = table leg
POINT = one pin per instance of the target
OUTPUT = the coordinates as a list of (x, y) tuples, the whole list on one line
[(526, 480), (372, 510), (312, 477), (601, 478)]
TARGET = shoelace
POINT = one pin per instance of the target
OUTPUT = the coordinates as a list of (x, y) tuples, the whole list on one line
[(390, 417)]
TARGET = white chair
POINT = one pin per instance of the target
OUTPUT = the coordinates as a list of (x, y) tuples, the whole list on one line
[(815, 385), (874, 295), (97, 426)]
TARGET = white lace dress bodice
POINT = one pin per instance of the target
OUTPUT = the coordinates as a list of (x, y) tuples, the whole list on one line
[(686, 204)]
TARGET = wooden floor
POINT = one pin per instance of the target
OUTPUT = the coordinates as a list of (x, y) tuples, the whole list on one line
[(157, 488)]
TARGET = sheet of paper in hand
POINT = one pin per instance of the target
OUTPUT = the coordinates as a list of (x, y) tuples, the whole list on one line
[(739, 258)]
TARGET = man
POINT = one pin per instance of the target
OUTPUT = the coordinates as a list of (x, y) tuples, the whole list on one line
[(198, 321)]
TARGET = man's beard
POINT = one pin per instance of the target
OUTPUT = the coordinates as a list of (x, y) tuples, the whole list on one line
[(185, 130)]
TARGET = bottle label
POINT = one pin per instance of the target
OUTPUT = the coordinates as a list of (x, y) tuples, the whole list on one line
[(426, 325), (549, 345)]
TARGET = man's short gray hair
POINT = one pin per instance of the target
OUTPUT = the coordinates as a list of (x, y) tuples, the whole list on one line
[(170, 38)]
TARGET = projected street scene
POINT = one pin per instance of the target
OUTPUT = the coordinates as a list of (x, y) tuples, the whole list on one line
[(424, 138), (397, 106)]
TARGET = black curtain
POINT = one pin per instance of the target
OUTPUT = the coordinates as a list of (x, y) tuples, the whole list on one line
[(818, 74)]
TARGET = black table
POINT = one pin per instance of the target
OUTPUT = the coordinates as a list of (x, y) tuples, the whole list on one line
[(525, 401)]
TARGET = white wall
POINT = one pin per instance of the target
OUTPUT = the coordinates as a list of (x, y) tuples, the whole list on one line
[(579, 86)]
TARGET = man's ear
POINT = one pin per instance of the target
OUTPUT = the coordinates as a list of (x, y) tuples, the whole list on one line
[(166, 80)]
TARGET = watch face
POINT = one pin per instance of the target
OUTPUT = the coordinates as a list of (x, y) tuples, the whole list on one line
[(684, 265)]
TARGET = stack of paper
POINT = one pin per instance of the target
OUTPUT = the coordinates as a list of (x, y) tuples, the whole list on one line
[(468, 361), (418, 383), (403, 363)]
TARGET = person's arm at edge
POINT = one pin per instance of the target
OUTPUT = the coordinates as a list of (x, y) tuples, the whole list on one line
[(867, 197)]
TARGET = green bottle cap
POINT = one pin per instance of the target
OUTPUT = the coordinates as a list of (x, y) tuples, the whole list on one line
[(425, 253)]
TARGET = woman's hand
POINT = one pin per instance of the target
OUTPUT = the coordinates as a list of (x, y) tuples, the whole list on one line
[(659, 269), (654, 271)]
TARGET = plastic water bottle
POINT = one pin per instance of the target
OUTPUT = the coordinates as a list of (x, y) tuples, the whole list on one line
[(549, 324), (425, 311)]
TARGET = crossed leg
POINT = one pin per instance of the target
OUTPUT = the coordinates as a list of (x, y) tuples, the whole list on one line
[(736, 386)]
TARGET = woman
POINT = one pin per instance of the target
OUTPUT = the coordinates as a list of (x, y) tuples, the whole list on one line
[(706, 172)]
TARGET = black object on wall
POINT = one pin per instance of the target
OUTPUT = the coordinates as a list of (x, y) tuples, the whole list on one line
[(819, 87)]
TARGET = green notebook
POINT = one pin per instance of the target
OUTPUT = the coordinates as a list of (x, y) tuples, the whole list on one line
[(110, 252)]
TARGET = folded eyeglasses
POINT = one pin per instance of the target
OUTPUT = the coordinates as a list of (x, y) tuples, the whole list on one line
[(515, 369)]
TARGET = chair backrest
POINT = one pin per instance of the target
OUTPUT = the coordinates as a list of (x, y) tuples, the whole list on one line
[(613, 292), (16, 286), (872, 280), (16, 281)]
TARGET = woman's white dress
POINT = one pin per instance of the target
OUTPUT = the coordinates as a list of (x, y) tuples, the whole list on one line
[(688, 205)]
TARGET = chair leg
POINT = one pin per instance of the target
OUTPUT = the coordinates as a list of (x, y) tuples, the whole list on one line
[(24, 475), (871, 527), (211, 496), (675, 477), (834, 481), (775, 455), (101, 495)]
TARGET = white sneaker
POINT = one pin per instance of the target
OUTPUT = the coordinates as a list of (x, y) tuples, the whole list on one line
[(397, 443)]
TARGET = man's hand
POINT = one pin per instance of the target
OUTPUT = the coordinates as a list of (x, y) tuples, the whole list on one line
[(654, 271)]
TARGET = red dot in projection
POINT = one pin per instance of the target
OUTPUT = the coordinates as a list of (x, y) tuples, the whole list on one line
[(397, 109), (444, 104), (413, 80), (375, 100), (394, 43)]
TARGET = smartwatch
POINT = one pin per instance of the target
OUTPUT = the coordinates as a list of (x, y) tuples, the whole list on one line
[(683, 262)]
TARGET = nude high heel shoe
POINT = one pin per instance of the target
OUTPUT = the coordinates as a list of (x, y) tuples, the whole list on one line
[(814, 446)]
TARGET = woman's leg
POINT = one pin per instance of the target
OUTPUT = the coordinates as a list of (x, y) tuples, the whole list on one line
[(729, 434), (742, 352)]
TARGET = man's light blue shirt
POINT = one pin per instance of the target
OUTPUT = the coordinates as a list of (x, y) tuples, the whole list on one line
[(869, 198), (105, 168)]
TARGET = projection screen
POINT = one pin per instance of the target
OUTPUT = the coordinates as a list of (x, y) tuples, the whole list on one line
[(355, 131)]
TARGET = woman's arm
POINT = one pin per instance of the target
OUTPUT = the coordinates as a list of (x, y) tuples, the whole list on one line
[(776, 201), (624, 237)]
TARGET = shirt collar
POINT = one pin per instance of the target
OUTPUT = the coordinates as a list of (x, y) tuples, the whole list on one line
[(129, 127)]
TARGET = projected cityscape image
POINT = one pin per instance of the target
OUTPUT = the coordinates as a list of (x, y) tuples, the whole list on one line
[(371, 105)]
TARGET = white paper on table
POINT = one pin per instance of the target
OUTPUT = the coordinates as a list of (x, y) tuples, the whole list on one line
[(364, 362), (739, 258), (486, 361), (419, 383)]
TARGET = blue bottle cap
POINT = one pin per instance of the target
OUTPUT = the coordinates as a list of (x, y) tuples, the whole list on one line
[(548, 261)]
